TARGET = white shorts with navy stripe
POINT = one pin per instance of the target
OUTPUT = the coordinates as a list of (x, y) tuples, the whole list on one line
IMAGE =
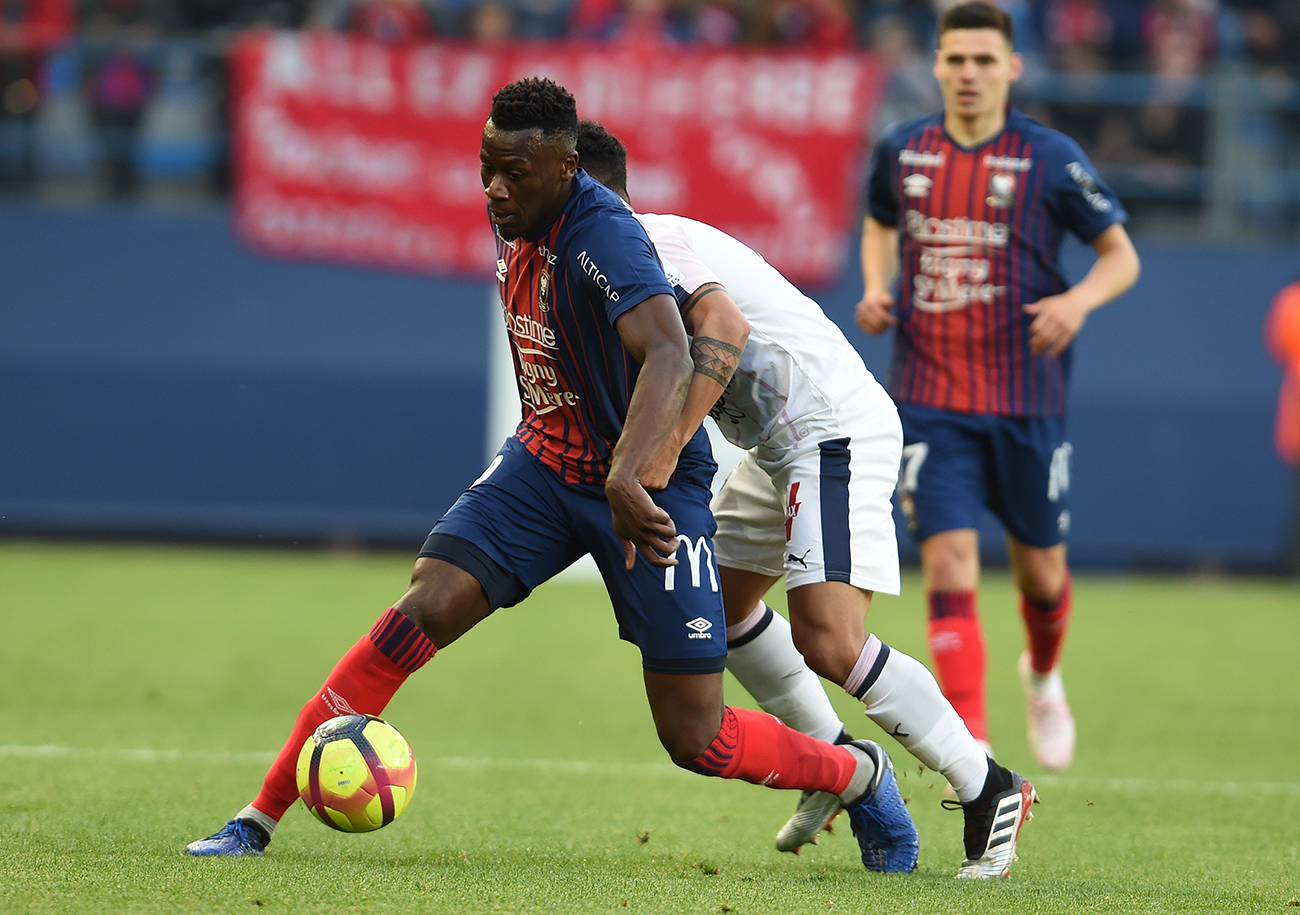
[(823, 512)]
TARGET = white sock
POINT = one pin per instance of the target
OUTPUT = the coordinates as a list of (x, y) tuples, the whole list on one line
[(254, 815), (902, 696), (762, 656)]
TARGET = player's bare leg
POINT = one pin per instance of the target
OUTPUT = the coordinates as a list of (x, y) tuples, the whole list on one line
[(902, 697), (757, 748), (899, 694), (762, 657), (1043, 578), (441, 604), (444, 600)]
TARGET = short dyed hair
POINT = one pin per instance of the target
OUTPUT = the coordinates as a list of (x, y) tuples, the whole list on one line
[(537, 103), (978, 14), (603, 155)]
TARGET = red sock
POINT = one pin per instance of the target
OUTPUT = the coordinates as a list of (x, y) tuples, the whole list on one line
[(1045, 625), (363, 681), (957, 646), (756, 747)]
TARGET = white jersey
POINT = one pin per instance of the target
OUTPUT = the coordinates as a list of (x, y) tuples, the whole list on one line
[(799, 377)]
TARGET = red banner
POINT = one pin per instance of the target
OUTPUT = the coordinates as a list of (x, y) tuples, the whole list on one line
[(353, 151)]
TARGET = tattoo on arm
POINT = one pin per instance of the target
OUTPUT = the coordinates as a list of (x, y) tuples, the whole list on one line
[(715, 359), (689, 305)]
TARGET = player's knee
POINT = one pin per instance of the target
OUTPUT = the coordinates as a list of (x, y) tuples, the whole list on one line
[(950, 564), (443, 600), (687, 740), (1041, 574), (830, 656)]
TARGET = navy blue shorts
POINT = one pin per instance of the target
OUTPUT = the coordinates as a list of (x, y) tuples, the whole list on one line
[(519, 525), (955, 465)]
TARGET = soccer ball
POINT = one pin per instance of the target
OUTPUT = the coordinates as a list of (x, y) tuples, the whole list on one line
[(356, 773)]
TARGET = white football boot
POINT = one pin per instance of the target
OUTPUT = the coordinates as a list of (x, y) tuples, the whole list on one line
[(1051, 726)]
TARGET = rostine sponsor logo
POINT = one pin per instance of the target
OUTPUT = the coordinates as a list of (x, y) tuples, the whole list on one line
[(529, 330), (957, 230), (920, 159), (1008, 163)]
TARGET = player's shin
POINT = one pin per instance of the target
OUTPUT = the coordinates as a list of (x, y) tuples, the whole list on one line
[(761, 655), (902, 697), (363, 681)]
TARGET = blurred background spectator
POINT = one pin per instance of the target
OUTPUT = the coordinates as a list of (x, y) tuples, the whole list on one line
[(30, 30), (1191, 108), (120, 60), (394, 22)]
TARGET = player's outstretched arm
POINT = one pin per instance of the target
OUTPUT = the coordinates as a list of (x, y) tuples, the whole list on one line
[(1058, 318), (874, 313), (653, 333), (718, 332)]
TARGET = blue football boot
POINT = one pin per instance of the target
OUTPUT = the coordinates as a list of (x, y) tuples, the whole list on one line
[(879, 818), (236, 838)]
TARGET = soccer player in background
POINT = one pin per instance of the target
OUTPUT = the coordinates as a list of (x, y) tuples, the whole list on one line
[(1282, 337), (967, 208), (810, 500), (603, 366)]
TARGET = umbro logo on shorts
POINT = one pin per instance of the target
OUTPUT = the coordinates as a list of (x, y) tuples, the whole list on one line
[(701, 628)]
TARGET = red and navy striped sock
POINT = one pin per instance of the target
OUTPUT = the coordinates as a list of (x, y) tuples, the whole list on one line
[(362, 682), (957, 646), (756, 747), (1045, 625)]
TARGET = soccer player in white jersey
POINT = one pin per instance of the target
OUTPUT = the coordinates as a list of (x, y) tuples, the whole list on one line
[(811, 501)]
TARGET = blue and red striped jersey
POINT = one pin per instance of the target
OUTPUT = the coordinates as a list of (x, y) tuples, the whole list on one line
[(980, 233), (561, 293)]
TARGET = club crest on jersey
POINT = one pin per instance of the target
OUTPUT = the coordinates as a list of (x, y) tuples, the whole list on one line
[(917, 185), (544, 290), (1002, 189)]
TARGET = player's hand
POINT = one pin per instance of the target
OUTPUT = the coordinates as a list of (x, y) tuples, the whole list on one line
[(641, 525), (1057, 320), (874, 313)]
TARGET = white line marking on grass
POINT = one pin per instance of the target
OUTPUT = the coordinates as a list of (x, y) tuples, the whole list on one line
[(262, 757), (1166, 785), (587, 767), (49, 751)]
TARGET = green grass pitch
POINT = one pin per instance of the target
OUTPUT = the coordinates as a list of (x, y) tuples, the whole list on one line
[(144, 690)]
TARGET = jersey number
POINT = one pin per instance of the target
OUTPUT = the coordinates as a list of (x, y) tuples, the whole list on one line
[(496, 462), (1058, 475), (914, 456)]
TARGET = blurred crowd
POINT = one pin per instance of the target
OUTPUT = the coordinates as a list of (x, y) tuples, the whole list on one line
[(1159, 135), (1067, 35)]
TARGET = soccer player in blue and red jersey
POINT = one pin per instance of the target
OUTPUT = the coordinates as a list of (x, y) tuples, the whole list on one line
[(968, 208), (603, 365)]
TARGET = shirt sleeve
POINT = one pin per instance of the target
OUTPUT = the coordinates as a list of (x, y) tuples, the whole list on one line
[(882, 197), (1076, 194), (680, 261), (611, 256)]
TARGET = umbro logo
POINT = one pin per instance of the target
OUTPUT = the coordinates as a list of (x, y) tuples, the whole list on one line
[(700, 628), (336, 703)]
